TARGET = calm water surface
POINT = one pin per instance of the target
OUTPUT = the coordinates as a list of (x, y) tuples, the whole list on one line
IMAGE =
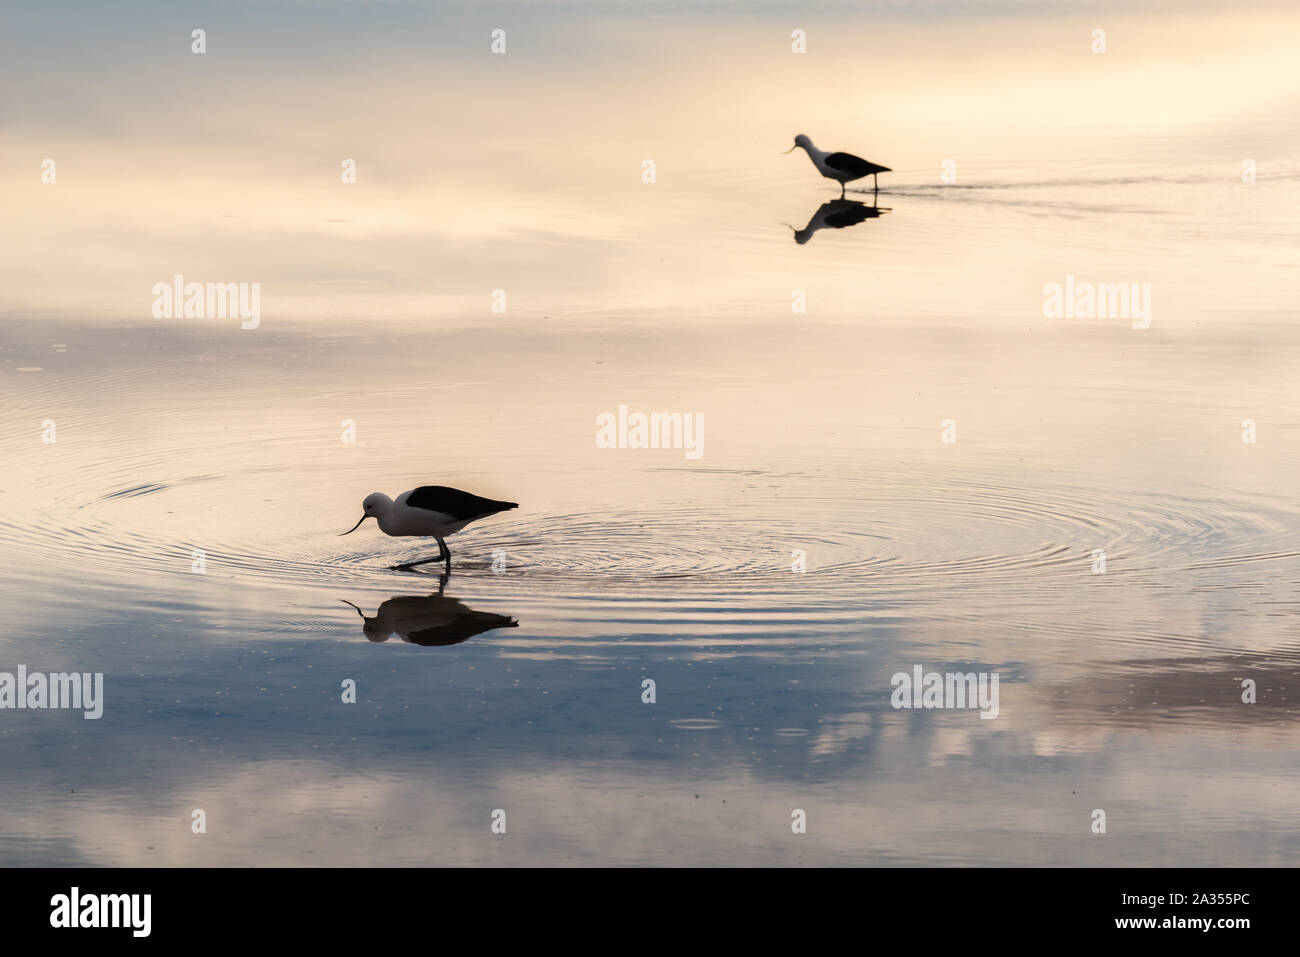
[(518, 685)]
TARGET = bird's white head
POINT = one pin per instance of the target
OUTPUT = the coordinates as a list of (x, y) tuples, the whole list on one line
[(374, 505), (801, 140)]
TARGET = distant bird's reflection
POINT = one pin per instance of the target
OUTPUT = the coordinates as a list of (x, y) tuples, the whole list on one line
[(431, 620), (837, 214)]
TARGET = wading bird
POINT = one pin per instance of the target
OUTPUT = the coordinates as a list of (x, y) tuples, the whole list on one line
[(841, 167), (430, 510)]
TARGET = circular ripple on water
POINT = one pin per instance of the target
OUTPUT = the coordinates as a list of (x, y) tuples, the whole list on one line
[(893, 538), (886, 534)]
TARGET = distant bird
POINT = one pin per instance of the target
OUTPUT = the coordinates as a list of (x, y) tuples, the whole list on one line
[(428, 510), (841, 167), (837, 214)]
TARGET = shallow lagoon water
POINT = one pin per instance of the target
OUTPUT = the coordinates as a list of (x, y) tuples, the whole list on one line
[(823, 433)]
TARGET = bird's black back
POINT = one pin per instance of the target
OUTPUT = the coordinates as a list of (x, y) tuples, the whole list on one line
[(848, 163), (454, 502)]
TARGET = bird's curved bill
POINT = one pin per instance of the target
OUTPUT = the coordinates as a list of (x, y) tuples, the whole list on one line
[(790, 150), (354, 527)]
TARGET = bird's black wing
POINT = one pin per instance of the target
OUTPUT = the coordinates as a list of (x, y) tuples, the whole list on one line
[(454, 502), (856, 165)]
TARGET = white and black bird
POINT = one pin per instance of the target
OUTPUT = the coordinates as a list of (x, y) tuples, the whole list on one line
[(841, 167), (430, 510)]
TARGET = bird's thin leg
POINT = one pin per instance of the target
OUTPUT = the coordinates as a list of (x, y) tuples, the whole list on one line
[(842, 185), (875, 178), (444, 555)]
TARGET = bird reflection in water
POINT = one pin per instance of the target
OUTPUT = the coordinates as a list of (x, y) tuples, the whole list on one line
[(430, 620), (837, 214)]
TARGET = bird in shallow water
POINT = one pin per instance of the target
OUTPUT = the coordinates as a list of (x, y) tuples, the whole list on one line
[(430, 510), (841, 167)]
